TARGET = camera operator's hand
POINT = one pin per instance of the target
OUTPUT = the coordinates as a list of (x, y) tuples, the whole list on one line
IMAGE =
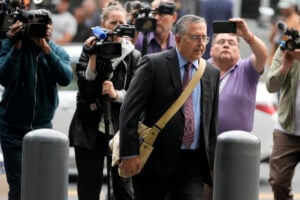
[(15, 28), (89, 45), (43, 43), (108, 88), (295, 54), (89, 48), (287, 61), (13, 33), (288, 57)]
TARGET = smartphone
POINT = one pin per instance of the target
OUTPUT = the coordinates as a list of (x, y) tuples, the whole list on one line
[(220, 26)]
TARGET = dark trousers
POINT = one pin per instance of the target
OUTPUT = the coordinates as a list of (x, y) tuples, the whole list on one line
[(285, 156), (185, 181), (11, 144), (90, 164)]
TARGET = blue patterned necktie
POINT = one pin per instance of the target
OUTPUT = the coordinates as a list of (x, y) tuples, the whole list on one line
[(189, 125)]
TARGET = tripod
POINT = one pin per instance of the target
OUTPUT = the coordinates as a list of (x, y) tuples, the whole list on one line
[(145, 43), (107, 119)]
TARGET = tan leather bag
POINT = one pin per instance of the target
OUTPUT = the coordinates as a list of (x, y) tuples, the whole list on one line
[(147, 137)]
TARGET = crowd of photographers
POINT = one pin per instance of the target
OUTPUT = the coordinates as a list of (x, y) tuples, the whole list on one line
[(38, 33), (32, 64)]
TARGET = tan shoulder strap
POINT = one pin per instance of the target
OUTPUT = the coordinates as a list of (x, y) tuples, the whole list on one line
[(160, 124)]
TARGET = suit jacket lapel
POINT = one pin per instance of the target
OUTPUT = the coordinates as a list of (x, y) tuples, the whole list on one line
[(173, 67)]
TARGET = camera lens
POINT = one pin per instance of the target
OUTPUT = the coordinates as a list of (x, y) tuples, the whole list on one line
[(290, 45)]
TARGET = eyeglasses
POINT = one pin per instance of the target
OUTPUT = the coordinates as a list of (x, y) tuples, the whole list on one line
[(198, 38), (230, 42)]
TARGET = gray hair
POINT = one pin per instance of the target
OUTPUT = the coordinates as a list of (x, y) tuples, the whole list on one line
[(181, 26)]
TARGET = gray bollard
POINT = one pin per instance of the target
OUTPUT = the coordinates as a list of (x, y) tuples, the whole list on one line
[(237, 162), (45, 165)]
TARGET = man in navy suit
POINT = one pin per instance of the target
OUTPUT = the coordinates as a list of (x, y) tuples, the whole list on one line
[(173, 166)]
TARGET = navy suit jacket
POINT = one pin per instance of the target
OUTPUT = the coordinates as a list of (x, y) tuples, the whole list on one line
[(154, 88)]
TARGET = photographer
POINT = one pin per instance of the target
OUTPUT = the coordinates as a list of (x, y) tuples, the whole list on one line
[(283, 76), (30, 70), (239, 77), (95, 82), (162, 37)]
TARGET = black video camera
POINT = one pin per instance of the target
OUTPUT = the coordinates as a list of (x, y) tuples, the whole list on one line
[(105, 48), (293, 40), (166, 8), (140, 13), (35, 21)]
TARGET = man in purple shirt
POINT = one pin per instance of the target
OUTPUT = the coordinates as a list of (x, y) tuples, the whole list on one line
[(238, 81), (239, 77), (162, 38)]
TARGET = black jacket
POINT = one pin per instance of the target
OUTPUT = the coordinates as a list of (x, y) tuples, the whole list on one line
[(31, 78)]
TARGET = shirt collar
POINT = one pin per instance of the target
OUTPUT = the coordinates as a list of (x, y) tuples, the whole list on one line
[(182, 61), (171, 40), (210, 60)]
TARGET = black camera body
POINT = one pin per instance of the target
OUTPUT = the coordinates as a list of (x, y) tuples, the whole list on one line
[(108, 50), (166, 8), (293, 41), (105, 48), (141, 11), (35, 21), (293, 38), (124, 30)]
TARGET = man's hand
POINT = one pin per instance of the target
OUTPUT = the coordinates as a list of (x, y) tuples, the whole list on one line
[(288, 58), (89, 45), (43, 42), (242, 28), (295, 54), (130, 166), (108, 88), (13, 32)]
